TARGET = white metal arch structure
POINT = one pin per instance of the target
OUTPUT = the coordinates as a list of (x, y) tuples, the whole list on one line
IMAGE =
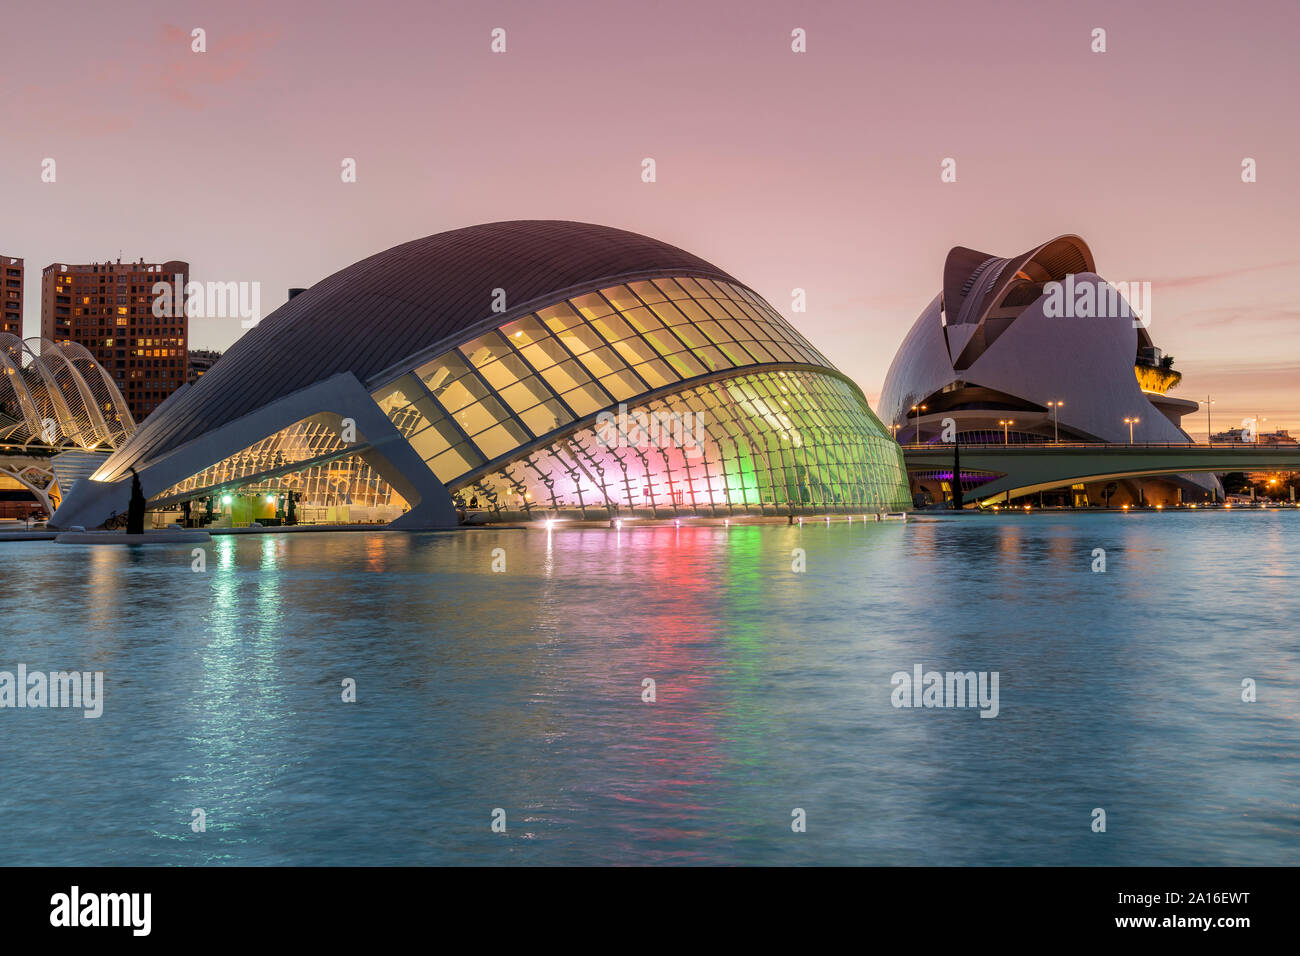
[(42, 383), (19, 417), (112, 410), (71, 395), (50, 403)]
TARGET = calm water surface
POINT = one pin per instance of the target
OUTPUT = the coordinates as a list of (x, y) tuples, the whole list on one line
[(522, 690)]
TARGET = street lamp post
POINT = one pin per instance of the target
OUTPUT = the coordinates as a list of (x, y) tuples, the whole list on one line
[(1130, 422), (916, 412), (1209, 428), (1005, 423), (1056, 431)]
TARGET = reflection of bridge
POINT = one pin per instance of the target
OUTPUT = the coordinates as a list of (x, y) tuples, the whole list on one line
[(1030, 468)]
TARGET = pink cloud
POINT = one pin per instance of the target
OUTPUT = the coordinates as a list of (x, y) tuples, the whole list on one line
[(1193, 280), (187, 78)]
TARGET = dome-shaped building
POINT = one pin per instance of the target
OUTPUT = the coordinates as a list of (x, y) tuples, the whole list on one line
[(1003, 342), (512, 371)]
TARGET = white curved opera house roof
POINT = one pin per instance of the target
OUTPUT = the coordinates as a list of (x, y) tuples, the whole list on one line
[(991, 345)]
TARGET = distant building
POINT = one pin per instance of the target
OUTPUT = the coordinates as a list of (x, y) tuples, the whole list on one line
[(991, 360), (200, 361), (108, 308), (11, 298), (1279, 437)]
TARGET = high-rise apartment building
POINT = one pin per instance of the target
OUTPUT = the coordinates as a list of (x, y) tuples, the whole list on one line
[(109, 308), (11, 295)]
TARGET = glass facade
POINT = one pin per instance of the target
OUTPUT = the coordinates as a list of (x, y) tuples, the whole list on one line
[(776, 443), (340, 483), (328, 478), (541, 372)]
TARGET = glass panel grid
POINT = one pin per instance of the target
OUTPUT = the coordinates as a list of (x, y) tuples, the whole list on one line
[(545, 368), (758, 444)]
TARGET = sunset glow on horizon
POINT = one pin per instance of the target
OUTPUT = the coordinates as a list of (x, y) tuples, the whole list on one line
[(817, 171)]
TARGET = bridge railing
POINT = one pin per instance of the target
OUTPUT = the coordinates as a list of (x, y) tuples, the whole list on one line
[(1102, 446)]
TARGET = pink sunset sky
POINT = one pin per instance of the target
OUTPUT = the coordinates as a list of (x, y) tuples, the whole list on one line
[(817, 170)]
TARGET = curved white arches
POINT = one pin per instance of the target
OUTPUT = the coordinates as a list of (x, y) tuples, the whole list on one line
[(114, 413), (58, 396)]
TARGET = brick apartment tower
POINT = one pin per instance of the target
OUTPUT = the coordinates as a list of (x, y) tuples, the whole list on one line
[(11, 295), (108, 308)]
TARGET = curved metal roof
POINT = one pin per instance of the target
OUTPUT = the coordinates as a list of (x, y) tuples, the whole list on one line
[(377, 312)]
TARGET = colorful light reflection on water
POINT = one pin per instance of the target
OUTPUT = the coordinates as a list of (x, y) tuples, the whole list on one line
[(522, 690)]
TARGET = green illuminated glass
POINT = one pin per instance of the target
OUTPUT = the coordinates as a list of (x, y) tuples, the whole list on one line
[(535, 373)]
